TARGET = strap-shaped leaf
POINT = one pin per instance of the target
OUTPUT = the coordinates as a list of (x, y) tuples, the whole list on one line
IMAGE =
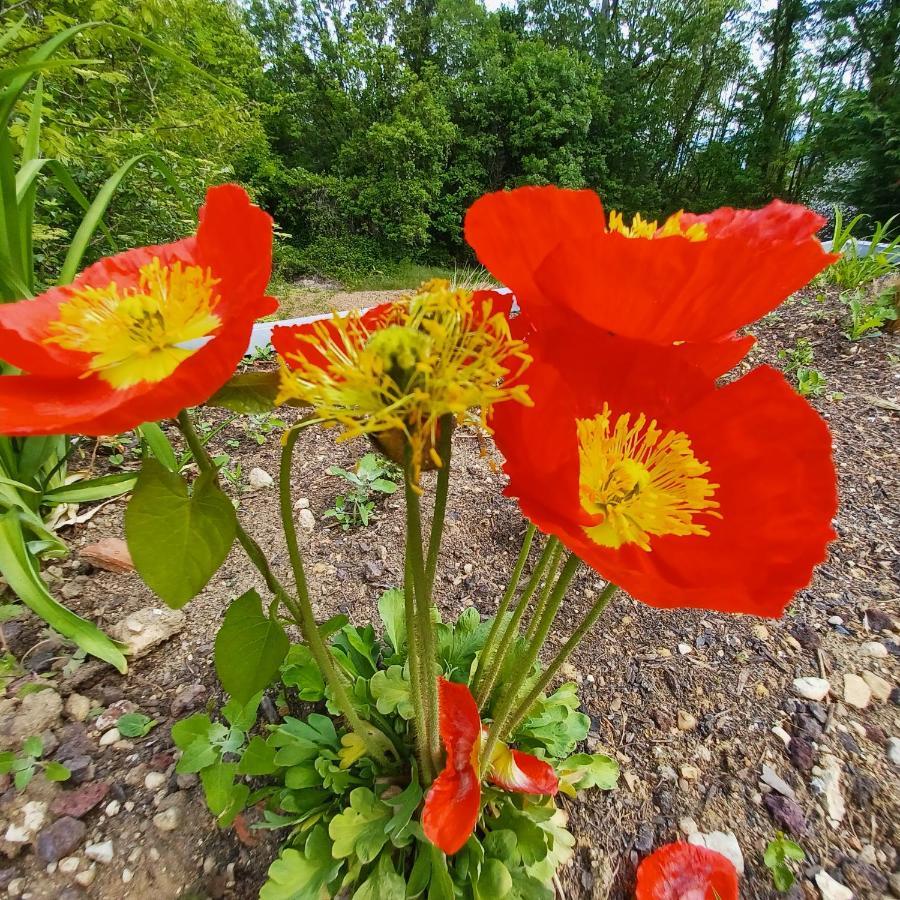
[(178, 539), (100, 488), (20, 570)]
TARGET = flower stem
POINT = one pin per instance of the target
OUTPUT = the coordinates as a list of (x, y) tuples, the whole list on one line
[(493, 667), (423, 626), (488, 650), (304, 618), (522, 710), (426, 772), (444, 449), (544, 596), (499, 727)]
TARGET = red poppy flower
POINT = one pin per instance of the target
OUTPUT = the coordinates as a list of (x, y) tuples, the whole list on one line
[(454, 800), (686, 872), (683, 493), (107, 352), (696, 278)]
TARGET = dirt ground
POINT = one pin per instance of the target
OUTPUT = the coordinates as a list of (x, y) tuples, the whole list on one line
[(696, 706)]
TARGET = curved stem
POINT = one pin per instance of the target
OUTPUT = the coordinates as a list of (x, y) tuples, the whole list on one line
[(487, 651), (541, 604), (522, 710), (444, 449), (492, 673), (415, 676), (501, 715)]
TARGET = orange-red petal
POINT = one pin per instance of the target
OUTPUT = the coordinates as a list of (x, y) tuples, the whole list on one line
[(767, 449), (682, 871), (453, 800), (522, 773)]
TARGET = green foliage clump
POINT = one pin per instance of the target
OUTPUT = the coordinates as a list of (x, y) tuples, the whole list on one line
[(373, 475)]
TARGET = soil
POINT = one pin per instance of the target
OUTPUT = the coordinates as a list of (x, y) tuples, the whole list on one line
[(686, 700)]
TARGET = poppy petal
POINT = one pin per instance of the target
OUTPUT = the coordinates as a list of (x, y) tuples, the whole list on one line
[(521, 772), (683, 871), (453, 800)]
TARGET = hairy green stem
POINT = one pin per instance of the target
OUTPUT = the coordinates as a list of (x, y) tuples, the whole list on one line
[(423, 626), (522, 710), (544, 596), (426, 771), (444, 449), (491, 674), (500, 727), (488, 650)]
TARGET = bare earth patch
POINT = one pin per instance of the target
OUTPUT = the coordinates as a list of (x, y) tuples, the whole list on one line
[(686, 700)]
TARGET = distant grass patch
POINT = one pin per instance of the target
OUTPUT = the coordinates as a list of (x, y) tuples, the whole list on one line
[(408, 275)]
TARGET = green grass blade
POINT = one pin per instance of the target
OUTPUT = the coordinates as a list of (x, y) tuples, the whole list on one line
[(160, 446), (62, 175), (32, 148), (11, 254), (28, 69), (100, 488), (20, 571)]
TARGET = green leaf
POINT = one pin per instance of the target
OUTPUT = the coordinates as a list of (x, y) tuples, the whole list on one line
[(197, 756), (360, 829), (392, 611), (404, 804), (249, 393), (586, 770), (99, 488), (20, 571), (242, 715), (159, 444), (250, 648), (420, 874), (178, 541), (494, 880), (391, 689), (7, 758), (224, 796), (458, 644), (383, 883), (440, 887), (33, 746), (332, 625), (302, 875), (302, 672), (258, 758), (54, 771), (778, 850), (188, 730), (132, 725), (554, 724), (531, 840), (23, 777)]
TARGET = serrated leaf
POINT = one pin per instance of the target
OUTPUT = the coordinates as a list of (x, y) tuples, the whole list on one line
[(242, 715), (587, 770), (383, 883), (178, 539), (301, 671), (250, 648), (360, 829)]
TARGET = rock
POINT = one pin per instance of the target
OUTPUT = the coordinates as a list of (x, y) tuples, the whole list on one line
[(893, 750), (37, 712), (81, 801), (831, 889), (873, 649), (71, 590), (86, 878), (186, 781), (880, 688), (59, 839), (723, 842), (828, 785), (644, 839), (77, 707), (81, 768), (879, 620), (69, 865), (760, 632), (776, 782), (856, 691), (259, 479), (110, 554), (786, 813), (33, 814), (169, 819), (686, 722), (835, 620), (689, 772), (687, 826), (154, 781), (805, 636), (113, 808), (110, 737), (812, 688), (306, 520), (373, 570), (147, 628), (302, 503), (782, 735), (101, 852), (187, 698), (662, 718), (800, 752)]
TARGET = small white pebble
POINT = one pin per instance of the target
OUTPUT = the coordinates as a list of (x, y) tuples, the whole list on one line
[(129, 805), (69, 864), (684, 649), (110, 737), (154, 781), (127, 875), (112, 808), (86, 878), (782, 735)]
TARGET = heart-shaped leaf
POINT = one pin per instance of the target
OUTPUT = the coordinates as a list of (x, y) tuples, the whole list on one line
[(178, 539), (250, 648)]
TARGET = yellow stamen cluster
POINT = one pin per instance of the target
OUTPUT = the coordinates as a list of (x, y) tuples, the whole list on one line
[(439, 352), (133, 334), (641, 228), (640, 482)]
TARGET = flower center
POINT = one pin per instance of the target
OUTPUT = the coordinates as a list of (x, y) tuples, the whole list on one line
[(133, 334), (637, 481), (672, 227)]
